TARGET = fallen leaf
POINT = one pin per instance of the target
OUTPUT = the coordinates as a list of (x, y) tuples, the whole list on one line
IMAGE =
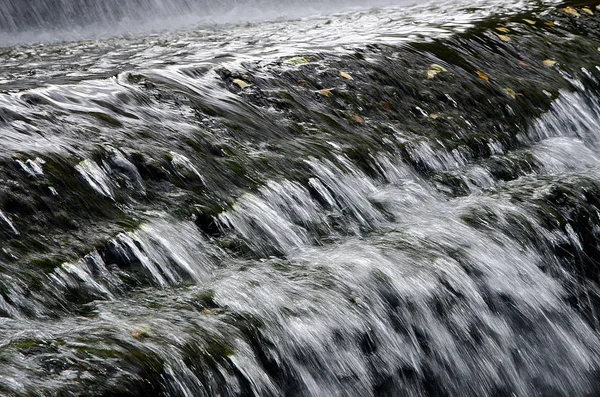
[(549, 23), (141, 332), (207, 312), (358, 119), (511, 93), (434, 116), (503, 30), (529, 21), (598, 48), (241, 83), (296, 61), (432, 73), (523, 64), (549, 63), (483, 76), (438, 68), (587, 11), (326, 92), (386, 106), (346, 75), (504, 37), (598, 7), (571, 11)]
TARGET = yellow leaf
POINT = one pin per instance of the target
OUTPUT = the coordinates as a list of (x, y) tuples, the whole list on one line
[(587, 11), (326, 92), (296, 61), (571, 11), (346, 75), (358, 119), (511, 93), (598, 7), (504, 38), (549, 23), (438, 68), (529, 21), (142, 331), (241, 83), (483, 76), (598, 48), (549, 63), (207, 312), (432, 73), (503, 30)]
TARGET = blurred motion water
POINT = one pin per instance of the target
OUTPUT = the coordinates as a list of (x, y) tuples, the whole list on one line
[(299, 198)]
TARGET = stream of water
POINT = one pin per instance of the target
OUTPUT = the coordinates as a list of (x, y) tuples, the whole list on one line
[(299, 198)]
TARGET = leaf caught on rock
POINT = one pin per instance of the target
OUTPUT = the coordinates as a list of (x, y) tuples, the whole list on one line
[(511, 93), (296, 61), (571, 11), (549, 63), (432, 73), (503, 30), (346, 76), (504, 37), (241, 83), (358, 119), (326, 92), (483, 76), (587, 11), (529, 21), (386, 106)]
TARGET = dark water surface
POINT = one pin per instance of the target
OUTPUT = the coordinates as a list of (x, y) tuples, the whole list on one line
[(323, 200)]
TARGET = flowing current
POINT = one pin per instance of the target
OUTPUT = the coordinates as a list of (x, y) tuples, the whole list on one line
[(299, 198)]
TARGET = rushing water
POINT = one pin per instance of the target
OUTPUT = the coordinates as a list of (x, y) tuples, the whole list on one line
[(299, 207)]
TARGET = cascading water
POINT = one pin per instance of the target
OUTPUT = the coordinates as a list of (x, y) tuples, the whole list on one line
[(397, 201)]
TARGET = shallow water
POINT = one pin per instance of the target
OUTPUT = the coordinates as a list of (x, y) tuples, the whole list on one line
[(216, 210)]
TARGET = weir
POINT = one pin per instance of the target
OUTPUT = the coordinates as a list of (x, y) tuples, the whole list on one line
[(342, 204)]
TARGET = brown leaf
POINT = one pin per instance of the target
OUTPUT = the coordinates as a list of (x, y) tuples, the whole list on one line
[(434, 116), (523, 64), (571, 11), (483, 76), (326, 92), (587, 11), (504, 37), (386, 106), (346, 76), (549, 23), (549, 63), (358, 119), (503, 30)]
